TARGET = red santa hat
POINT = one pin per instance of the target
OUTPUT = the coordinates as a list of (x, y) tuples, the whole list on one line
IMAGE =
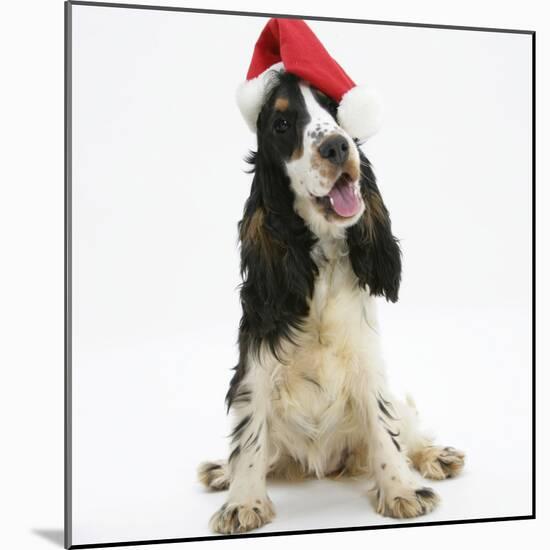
[(290, 45)]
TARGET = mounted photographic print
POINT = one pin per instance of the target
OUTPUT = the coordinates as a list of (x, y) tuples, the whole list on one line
[(299, 274)]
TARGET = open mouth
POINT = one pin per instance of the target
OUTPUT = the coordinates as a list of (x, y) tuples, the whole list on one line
[(343, 199)]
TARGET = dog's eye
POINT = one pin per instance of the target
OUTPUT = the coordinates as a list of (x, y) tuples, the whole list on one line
[(281, 125)]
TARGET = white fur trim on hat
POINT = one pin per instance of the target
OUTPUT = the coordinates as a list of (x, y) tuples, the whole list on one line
[(360, 113), (251, 94)]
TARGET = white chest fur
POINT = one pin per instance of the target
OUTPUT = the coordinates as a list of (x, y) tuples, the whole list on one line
[(313, 416)]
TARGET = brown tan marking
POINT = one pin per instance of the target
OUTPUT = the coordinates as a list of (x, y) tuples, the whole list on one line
[(253, 231), (281, 104), (251, 227), (297, 154), (351, 167), (325, 168)]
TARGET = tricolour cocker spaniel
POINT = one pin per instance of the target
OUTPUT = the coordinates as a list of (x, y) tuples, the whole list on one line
[(309, 393)]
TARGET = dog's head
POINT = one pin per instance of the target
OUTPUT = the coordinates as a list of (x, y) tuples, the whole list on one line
[(311, 182), (297, 129)]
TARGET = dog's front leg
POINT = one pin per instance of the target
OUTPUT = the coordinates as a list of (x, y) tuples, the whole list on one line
[(398, 491), (248, 505)]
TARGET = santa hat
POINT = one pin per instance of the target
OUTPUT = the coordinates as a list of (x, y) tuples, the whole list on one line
[(290, 45)]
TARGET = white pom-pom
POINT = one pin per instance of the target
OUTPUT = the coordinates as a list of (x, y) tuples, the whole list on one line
[(360, 113), (251, 94)]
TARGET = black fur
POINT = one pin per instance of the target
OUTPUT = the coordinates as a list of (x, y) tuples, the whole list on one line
[(239, 428), (425, 492), (384, 409), (234, 453), (374, 252), (397, 446)]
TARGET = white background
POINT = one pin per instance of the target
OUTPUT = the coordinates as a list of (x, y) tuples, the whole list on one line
[(158, 188), (32, 289)]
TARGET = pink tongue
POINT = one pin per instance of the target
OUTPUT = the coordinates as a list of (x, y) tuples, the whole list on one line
[(344, 200)]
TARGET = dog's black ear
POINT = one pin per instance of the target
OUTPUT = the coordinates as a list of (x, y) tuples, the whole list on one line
[(277, 269), (374, 251)]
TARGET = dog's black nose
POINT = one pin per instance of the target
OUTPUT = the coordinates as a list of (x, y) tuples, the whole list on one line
[(335, 149)]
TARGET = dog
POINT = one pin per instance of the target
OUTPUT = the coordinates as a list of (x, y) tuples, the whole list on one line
[(309, 393)]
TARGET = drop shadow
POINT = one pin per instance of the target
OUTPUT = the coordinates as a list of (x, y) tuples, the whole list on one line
[(55, 536)]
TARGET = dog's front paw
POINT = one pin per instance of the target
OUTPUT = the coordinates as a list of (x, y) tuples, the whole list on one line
[(234, 517), (436, 462), (406, 502)]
